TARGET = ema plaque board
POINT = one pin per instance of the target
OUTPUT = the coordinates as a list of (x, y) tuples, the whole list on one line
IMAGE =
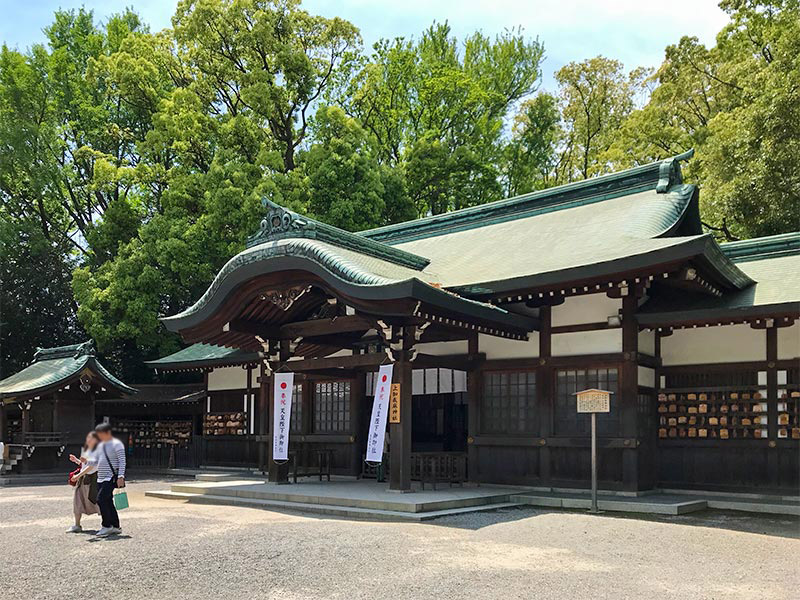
[(594, 401)]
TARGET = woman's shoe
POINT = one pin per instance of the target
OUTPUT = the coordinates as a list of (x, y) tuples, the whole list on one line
[(75, 529)]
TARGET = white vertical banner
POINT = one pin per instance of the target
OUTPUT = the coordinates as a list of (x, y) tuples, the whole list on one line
[(283, 384), (380, 412)]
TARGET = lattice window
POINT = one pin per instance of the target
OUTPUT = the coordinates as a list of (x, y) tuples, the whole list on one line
[(331, 406), (296, 423), (509, 402), (570, 381)]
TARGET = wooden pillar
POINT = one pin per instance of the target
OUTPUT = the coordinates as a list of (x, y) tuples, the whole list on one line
[(656, 447), (263, 418), (357, 401), (544, 391), (629, 392), (26, 417), (3, 423), (400, 433), (56, 403), (474, 385), (773, 464)]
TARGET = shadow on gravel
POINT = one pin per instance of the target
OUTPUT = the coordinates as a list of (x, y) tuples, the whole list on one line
[(114, 538), (772, 525)]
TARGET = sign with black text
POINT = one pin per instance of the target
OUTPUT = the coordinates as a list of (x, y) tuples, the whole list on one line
[(594, 401), (283, 384), (380, 412), (394, 403)]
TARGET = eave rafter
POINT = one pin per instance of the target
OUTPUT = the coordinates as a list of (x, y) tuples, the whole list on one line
[(690, 323)]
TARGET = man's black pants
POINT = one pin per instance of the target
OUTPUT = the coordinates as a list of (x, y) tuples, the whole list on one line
[(105, 501)]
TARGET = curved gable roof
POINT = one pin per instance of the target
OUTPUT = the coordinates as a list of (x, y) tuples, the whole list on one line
[(56, 367)]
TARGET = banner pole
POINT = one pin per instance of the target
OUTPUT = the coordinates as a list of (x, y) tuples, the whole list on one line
[(594, 463)]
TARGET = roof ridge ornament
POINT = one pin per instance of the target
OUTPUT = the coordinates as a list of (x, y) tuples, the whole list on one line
[(86, 348), (277, 223), (281, 223), (669, 172)]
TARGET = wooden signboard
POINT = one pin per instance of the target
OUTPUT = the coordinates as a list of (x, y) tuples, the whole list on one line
[(594, 401), (394, 403)]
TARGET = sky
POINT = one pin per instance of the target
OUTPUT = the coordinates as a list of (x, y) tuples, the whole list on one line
[(632, 31)]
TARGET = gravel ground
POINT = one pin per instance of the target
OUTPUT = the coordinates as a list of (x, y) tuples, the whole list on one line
[(176, 550)]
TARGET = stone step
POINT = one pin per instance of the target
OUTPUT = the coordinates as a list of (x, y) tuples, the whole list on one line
[(213, 477), (644, 505), (351, 512), (787, 508), (239, 489)]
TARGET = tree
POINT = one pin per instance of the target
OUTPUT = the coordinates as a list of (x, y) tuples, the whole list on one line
[(437, 108), (737, 105), (751, 159), (531, 157), (36, 307), (267, 60), (67, 137), (596, 97), (346, 185)]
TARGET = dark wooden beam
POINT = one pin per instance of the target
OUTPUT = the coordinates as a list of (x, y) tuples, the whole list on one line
[(579, 327), (305, 329), (322, 327), (334, 362), (460, 362)]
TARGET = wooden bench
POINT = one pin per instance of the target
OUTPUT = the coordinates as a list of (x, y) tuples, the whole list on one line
[(321, 469)]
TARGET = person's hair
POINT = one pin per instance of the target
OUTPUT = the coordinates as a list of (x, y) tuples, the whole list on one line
[(95, 436), (103, 428)]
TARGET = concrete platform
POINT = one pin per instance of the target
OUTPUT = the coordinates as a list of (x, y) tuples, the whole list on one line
[(655, 504), (673, 502), (367, 499), (360, 494), (349, 512)]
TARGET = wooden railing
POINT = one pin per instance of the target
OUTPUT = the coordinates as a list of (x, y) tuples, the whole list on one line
[(439, 467)]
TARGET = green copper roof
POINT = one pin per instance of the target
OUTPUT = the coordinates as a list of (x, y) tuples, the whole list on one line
[(634, 220), (281, 223), (53, 368), (201, 355), (660, 177), (777, 290), (358, 274), (786, 244)]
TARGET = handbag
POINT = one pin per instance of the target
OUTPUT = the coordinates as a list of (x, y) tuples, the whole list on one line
[(121, 500), (91, 481), (120, 496)]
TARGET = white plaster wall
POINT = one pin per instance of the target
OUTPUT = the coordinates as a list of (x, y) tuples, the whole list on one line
[(496, 347), (443, 348), (647, 377), (591, 308), (228, 378), (587, 342), (647, 342), (789, 342), (705, 345)]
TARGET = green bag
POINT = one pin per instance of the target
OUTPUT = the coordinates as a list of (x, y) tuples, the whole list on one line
[(121, 500)]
